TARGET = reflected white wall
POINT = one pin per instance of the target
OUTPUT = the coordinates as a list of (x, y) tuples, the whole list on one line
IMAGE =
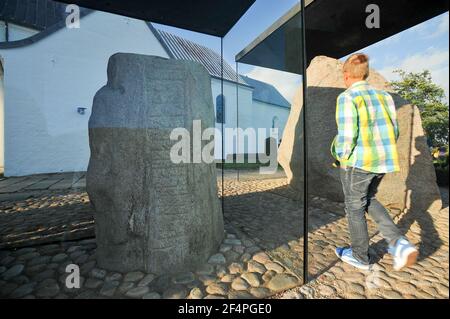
[(47, 81), (252, 114)]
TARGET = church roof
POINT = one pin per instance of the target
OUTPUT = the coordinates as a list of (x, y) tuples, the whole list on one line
[(49, 16), (267, 93), (182, 49), (213, 17)]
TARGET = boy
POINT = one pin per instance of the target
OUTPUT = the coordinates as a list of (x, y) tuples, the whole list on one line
[(366, 149)]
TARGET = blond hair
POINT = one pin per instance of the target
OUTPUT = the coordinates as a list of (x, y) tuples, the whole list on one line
[(357, 65)]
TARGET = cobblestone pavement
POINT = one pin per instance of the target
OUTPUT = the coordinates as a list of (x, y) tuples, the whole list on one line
[(27, 186), (34, 184), (261, 255), (45, 217), (428, 278)]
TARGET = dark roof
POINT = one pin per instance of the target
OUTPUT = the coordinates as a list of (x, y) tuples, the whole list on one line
[(49, 16), (334, 29), (36, 14), (183, 49), (44, 15), (266, 93), (213, 17)]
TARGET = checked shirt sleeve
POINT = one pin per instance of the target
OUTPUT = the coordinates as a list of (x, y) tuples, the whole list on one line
[(393, 115), (347, 124)]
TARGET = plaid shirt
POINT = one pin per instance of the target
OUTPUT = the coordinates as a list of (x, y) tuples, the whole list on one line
[(367, 129)]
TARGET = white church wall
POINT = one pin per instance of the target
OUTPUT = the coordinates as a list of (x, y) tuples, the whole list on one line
[(47, 81), (264, 113), (252, 114), (245, 104)]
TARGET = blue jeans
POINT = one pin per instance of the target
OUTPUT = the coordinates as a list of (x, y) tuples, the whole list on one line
[(360, 188)]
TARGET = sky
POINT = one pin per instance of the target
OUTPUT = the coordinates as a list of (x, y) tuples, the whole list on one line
[(422, 47)]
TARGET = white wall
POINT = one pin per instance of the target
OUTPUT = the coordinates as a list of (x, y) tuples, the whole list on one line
[(252, 114), (245, 104), (265, 112), (45, 82)]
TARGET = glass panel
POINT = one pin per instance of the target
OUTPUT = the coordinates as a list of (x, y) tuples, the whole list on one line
[(220, 109), (92, 178), (145, 211), (410, 205), (264, 170)]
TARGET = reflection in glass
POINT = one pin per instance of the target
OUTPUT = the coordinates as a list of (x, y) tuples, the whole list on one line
[(268, 210)]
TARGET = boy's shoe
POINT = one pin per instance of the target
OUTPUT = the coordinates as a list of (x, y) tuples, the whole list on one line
[(346, 255), (405, 254)]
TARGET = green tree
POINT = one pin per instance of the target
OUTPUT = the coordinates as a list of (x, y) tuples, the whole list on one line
[(419, 89)]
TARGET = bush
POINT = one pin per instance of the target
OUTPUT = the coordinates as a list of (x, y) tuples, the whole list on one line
[(441, 167), (442, 176)]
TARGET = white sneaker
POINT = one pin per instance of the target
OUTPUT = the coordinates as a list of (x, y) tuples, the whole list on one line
[(405, 254), (346, 255)]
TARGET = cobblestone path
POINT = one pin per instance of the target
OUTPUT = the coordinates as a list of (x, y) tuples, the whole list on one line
[(260, 257)]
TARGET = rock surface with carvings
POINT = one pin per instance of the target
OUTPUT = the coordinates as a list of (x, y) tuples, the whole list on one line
[(151, 214), (414, 187)]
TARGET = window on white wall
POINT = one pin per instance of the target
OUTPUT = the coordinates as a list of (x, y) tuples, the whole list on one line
[(275, 122), (220, 108)]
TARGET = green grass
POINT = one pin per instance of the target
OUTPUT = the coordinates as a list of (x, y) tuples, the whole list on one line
[(240, 166), (243, 166)]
